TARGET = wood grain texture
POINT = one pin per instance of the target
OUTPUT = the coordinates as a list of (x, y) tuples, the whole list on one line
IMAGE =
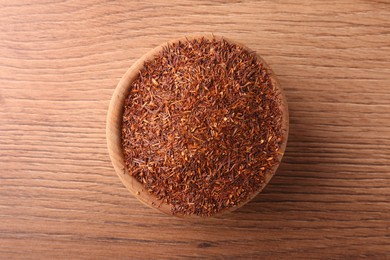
[(60, 197)]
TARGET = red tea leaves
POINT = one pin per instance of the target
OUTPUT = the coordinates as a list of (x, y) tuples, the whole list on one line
[(202, 126)]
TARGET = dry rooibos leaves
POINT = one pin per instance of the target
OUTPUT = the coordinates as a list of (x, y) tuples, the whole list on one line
[(202, 126)]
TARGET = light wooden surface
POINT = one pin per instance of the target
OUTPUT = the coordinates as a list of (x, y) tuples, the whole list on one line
[(59, 194)]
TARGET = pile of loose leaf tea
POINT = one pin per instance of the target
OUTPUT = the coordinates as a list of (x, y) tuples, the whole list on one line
[(202, 126)]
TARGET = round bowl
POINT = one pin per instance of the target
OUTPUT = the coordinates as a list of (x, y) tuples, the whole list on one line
[(114, 124)]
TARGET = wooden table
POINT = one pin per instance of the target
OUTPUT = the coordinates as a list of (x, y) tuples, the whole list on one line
[(60, 197)]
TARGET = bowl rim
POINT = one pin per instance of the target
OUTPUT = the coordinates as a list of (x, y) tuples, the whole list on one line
[(114, 123)]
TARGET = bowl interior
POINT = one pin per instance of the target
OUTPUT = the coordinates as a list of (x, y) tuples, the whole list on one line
[(114, 122)]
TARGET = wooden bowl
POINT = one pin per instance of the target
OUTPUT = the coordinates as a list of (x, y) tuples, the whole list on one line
[(114, 121)]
